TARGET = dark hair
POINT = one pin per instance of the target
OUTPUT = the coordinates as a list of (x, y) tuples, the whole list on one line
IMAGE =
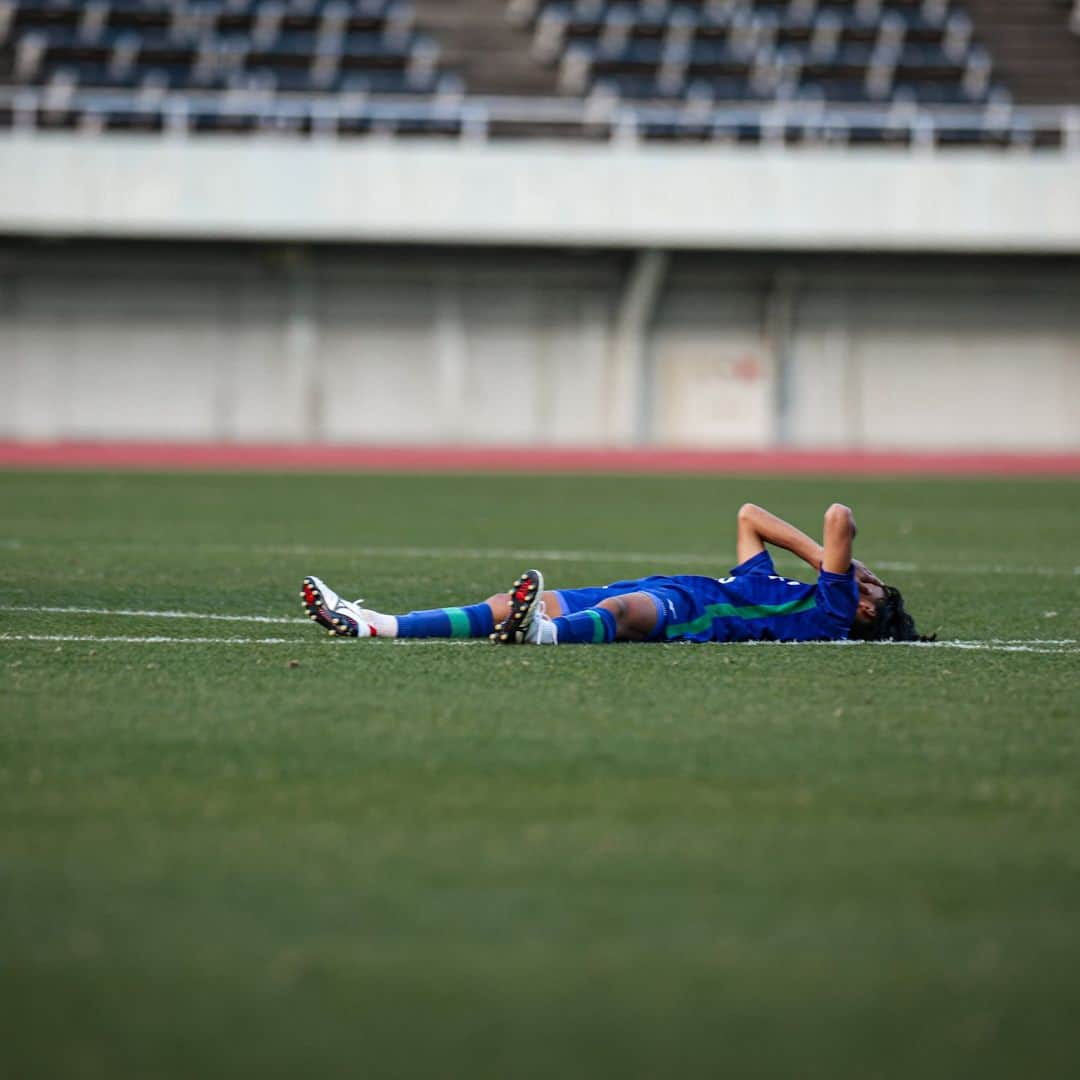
[(891, 623)]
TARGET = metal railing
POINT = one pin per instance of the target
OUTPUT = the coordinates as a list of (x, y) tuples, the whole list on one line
[(602, 119)]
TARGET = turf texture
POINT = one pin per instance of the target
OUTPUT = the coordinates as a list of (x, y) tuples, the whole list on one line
[(275, 854)]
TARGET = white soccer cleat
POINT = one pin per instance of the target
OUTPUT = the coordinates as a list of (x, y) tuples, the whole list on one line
[(542, 630), (526, 623), (340, 617)]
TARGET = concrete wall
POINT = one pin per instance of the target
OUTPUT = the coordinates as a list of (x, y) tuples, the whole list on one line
[(928, 362), (391, 345), (541, 194)]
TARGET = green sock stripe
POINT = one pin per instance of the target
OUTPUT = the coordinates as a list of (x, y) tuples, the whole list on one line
[(459, 622), (597, 627), (728, 611)]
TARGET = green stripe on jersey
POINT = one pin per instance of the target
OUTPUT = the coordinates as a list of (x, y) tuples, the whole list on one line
[(597, 627), (729, 611), (459, 622)]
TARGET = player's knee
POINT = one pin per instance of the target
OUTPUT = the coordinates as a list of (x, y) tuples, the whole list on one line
[(616, 605), (634, 614), (623, 610)]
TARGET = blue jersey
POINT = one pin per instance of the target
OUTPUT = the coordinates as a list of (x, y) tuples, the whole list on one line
[(753, 603)]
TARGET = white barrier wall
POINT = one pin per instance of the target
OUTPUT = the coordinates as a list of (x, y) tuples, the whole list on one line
[(392, 345), (537, 193), (265, 289)]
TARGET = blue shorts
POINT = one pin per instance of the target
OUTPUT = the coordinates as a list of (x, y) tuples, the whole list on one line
[(675, 603)]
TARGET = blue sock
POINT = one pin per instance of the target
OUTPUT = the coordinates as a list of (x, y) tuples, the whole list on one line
[(593, 626), (453, 622)]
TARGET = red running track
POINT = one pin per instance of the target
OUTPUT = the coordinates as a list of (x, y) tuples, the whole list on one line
[(424, 459)]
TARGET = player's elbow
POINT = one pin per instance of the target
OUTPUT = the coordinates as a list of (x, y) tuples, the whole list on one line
[(840, 517)]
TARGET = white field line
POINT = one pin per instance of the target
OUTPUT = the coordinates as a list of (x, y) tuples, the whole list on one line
[(669, 560), (1050, 647), (1045, 648), (110, 639), (213, 617), (298, 621), (1065, 647)]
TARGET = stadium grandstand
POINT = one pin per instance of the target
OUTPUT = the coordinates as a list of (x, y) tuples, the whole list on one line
[(689, 223), (407, 298), (853, 71)]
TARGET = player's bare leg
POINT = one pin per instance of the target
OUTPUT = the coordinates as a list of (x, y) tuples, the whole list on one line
[(500, 605), (344, 618), (635, 615), (630, 617)]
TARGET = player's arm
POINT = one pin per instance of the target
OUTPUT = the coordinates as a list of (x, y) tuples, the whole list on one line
[(839, 535), (757, 527)]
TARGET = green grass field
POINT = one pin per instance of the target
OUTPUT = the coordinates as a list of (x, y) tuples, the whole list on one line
[(445, 859)]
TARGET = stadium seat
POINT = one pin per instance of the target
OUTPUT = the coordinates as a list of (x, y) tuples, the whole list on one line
[(867, 50), (152, 47), (827, 71)]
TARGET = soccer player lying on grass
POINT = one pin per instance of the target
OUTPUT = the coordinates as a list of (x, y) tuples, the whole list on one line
[(754, 603)]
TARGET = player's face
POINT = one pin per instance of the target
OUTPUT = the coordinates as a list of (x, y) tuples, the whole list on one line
[(868, 590), (870, 597)]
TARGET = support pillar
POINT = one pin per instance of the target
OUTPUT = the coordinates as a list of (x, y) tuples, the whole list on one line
[(780, 331), (451, 357), (302, 381), (629, 413)]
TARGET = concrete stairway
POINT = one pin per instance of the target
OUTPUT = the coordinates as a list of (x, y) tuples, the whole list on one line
[(1035, 55), (489, 52)]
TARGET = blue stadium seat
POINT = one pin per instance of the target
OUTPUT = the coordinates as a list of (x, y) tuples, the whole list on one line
[(313, 46), (754, 70), (864, 50)]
